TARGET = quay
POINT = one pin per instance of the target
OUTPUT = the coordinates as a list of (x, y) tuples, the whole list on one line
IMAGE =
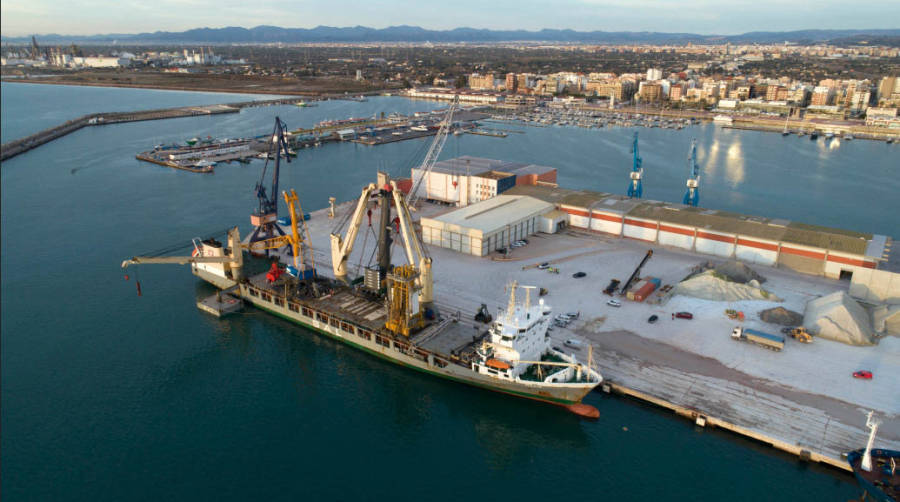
[(15, 147), (802, 401)]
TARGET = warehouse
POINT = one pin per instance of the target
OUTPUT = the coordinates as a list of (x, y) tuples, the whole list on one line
[(467, 180), (487, 226), (829, 252)]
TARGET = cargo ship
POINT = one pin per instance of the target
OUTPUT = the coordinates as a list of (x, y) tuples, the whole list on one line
[(512, 355), (390, 312), (875, 468)]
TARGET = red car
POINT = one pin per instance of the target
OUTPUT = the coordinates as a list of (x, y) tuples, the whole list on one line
[(865, 375), (684, 315)]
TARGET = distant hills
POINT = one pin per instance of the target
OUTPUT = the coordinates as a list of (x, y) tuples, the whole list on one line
[(275, 34)]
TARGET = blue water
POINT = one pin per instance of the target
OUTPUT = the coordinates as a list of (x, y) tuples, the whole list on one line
[(107, 396), (39, 106)]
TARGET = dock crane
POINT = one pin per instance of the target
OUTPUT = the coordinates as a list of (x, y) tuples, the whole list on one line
[(636, 272), (304, 266), (692, 196), (266, 215), (433, 152), (636, 189)]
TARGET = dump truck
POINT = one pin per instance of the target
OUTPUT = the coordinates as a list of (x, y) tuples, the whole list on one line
[(772, 342)]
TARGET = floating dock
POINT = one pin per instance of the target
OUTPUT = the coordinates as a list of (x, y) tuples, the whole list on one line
[(222, 303)]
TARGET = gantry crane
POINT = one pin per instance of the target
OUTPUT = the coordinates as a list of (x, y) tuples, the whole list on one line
[(265, 217), (692, 196), (636, 189), (304, 263), (433, 152)]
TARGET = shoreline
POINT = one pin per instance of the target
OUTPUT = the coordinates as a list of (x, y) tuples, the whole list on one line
[(50, 80)]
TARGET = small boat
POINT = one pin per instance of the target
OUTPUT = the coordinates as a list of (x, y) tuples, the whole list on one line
[(814, 135), (192, 141), (848, 137), (829, 135)]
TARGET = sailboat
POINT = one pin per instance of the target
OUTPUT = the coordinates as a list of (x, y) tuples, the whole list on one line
[(785, 131)]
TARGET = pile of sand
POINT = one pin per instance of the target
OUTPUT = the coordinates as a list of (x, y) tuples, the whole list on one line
[(887, 319), (782, 316), (840, 318), (736, 271), (710, 285)]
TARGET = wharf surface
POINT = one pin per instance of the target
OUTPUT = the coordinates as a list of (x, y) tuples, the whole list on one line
[(689, 367)]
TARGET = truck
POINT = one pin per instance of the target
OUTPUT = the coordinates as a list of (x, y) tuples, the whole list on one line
[(772, 342)]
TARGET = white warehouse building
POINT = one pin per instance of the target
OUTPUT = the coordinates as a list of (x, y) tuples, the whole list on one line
[(489, 225)]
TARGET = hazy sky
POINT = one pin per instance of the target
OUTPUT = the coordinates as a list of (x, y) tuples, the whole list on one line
[(84, 17)]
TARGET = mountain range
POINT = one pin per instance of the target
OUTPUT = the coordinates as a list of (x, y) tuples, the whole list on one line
[(275, 34)]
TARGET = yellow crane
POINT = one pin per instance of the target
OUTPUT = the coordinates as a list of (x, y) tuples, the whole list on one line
[(304, 262)]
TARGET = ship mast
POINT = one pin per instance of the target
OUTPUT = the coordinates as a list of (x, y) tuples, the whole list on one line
[(511, 307), (867, 456), (528, 300)]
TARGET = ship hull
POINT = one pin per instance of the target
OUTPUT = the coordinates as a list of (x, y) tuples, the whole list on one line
[(865, 479), (439, 365)]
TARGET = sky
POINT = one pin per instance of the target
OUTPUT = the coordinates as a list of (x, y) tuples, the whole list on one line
[(89, 17)]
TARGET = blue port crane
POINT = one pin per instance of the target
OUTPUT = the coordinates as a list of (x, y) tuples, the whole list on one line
[(636, 189), (692, 195), (265, 218)]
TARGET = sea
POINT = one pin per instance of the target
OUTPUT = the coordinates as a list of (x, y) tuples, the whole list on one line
[(107, 395)]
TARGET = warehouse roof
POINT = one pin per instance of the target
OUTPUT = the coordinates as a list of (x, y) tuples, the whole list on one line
[(491, 215), (479, 165), (774, 229)]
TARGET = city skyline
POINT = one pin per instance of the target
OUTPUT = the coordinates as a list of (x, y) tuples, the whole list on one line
[(702, 17)]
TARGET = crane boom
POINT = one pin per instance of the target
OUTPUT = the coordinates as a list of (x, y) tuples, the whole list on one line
[(433, 152), (207, 252), (416, 253), (342, 247), (177, 260)]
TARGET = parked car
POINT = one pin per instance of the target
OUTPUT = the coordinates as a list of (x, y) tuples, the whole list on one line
[(575, 344), (614, 303), (579, 275), (653, 319), (544, 266), (863, 374), (573, 315), (684, 315)]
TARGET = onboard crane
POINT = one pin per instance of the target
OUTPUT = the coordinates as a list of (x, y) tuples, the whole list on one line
[(416, 253), (433, 152), (692, 196), (636, 189), (209, 259), (266, 215)]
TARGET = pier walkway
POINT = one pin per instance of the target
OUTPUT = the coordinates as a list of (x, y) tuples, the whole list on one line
[(15, 147)]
